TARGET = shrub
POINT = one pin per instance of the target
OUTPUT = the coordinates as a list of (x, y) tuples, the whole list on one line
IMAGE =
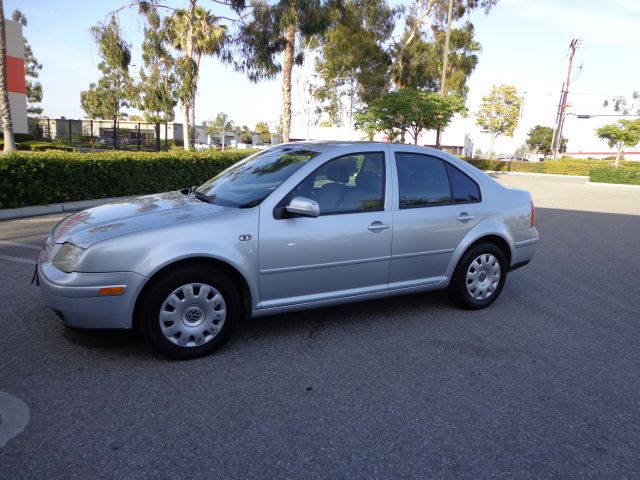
[(37, 178), (624, 175), (561, 167), (558, 167), (20, 137), (40, 146)]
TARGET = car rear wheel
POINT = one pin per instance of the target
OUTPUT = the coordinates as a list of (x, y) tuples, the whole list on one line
[(479, 277), (190, 312)]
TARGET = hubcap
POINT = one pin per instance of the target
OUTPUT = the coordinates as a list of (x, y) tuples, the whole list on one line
[(483, 276), (192, 315)]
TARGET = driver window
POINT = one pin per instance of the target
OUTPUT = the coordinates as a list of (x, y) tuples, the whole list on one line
[(347, 184)]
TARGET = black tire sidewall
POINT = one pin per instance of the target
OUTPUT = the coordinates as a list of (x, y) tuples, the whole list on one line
[(160, 290), (458, 287)]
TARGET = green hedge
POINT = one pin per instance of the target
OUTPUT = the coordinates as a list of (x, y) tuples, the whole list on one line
[(624, 175), (559, 167), (40, 178), (38, 146), (20, 137)]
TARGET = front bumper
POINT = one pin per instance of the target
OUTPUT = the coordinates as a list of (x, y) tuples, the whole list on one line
[(75, 298)]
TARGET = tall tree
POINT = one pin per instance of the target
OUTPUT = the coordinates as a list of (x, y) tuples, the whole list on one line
[(273, 30), (539, 140), (115, 89), (195, 33), (418, 14), (5, 107), (158, 83), (625, 105), (263, 129), (221, 125), (499, 112), (623, 133), (353, 61), (31, 69)]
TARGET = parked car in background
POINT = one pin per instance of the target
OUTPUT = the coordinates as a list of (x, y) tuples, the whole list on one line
[(299, 225)]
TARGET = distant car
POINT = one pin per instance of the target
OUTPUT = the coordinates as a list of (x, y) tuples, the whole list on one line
[(296, 226)]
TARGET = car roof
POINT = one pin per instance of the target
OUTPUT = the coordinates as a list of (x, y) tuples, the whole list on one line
[(323, 145)]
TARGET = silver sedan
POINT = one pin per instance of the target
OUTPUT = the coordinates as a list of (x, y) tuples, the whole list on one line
[(297, 226)]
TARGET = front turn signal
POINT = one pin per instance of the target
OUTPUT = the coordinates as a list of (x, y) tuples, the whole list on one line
[(110, 291)]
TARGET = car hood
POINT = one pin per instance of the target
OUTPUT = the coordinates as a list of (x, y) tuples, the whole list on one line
[(131, 215)]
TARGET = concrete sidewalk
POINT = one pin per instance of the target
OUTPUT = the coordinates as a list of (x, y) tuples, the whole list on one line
[(37, 210)]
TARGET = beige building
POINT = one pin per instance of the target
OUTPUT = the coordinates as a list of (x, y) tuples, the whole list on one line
[(87, 130)]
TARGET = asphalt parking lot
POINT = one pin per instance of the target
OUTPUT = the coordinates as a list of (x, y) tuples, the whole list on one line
[(544, 384)]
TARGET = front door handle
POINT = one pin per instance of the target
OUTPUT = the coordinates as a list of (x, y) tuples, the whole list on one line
[(378, 226), (465, 217)]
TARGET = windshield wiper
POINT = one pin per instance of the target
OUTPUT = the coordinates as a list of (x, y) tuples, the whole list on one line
[(192, 192), (201, 196)]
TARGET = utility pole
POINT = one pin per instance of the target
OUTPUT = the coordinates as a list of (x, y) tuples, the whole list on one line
[(556, 142), (445, 61)]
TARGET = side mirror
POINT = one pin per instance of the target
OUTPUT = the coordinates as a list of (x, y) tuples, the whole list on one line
[(303, 206)]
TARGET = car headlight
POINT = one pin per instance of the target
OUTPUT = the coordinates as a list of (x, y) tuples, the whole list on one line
[(68, 257)]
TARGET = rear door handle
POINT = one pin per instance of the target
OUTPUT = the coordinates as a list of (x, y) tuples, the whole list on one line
[(465, 217), (378, 226)]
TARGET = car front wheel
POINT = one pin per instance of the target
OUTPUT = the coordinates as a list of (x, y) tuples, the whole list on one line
[(479, 277), (190, 312)]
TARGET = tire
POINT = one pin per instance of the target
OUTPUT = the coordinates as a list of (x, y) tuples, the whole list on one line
[(479, 277), (190, 312)]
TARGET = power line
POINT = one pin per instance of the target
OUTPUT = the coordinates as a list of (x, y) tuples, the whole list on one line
[(630, 97)]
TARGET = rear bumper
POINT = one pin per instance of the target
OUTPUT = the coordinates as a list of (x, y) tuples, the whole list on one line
[(524, 251), (75, 299)]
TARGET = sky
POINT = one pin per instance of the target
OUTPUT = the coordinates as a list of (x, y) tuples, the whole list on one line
[(524, 43)]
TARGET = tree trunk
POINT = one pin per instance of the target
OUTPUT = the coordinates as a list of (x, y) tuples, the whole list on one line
[(187, 103), (490, 152), (438, 133), (617, 164), (185, 127), (193, 123), (290, 37), (5, 108), (223, 135)]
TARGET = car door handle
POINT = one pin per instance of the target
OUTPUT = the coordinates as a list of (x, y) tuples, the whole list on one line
[(378, 226), (465, 217)]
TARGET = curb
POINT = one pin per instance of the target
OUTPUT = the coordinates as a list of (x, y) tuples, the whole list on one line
[(38, 210), (619, 185)]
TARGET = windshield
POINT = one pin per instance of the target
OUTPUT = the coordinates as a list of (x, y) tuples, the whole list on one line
[(250, 181)]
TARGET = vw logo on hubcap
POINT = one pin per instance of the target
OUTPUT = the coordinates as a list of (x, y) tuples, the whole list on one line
[(193, 314)]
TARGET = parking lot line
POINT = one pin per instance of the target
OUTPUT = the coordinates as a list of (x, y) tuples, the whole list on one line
[(23, 245), (17, 259)]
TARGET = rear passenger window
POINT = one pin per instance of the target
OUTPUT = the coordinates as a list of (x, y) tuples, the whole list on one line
[(465, 190), (422, 181)]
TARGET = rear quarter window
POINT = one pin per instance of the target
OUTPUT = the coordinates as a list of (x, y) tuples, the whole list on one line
[(463, 188)]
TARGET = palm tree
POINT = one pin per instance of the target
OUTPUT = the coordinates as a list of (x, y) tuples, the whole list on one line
[(194, 32), (5, 109), (220, 125)]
